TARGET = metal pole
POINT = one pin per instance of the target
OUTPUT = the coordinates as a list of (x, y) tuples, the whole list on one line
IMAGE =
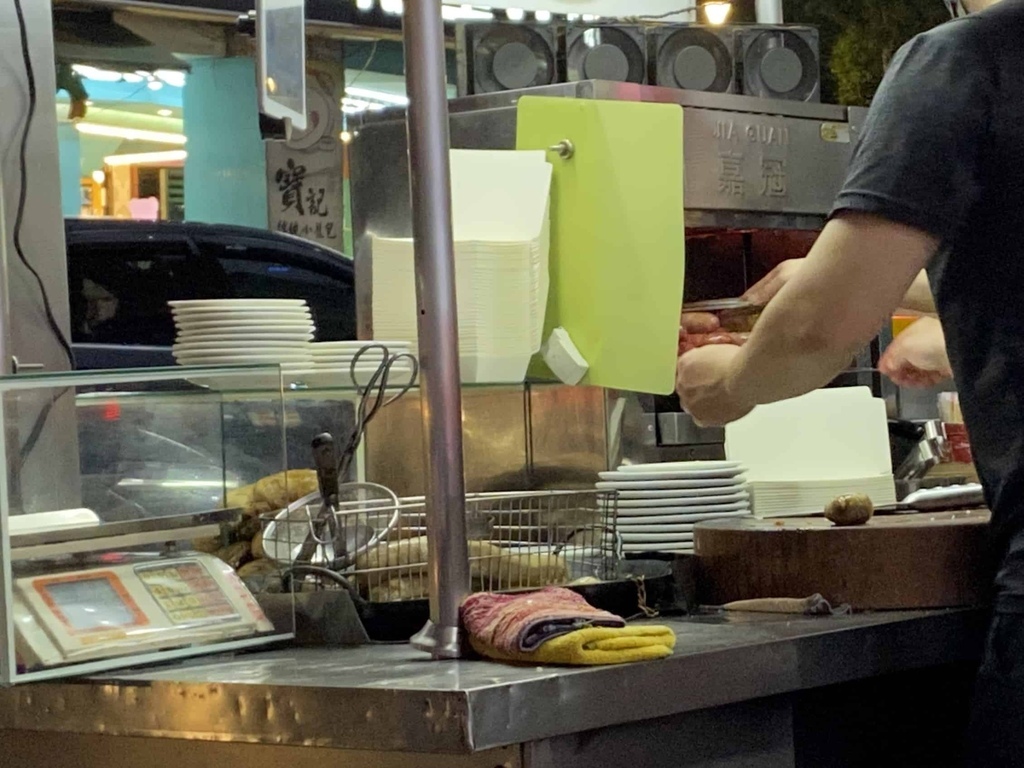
[(440, 385), (768, 11)]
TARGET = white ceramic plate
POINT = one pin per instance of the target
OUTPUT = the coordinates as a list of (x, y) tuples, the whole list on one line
[(697, 509), (689, 488), (680, 550), (236, 303), (626, 478), (264, 318), (653, 485), (356, 345), (691, 501), (679, 466), (656, 538), (304, 325), (241, 345), (240, 359), (205, 337), (676, 519)]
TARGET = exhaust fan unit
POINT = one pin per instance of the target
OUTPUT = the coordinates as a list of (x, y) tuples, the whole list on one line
[(505, 57), (606, 52), (780, 63), (694, 58)]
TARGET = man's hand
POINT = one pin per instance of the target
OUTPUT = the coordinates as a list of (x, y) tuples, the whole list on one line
[(765, 289), (917, 357), (702, 379)]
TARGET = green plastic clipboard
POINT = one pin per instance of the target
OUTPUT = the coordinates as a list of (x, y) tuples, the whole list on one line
[(617, 234)]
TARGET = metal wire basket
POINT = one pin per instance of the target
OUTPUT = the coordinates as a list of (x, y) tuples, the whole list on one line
[(516, 541)]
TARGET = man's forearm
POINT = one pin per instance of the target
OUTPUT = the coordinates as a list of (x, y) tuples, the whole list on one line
[(854, 277), (918, 298), (777, 364)]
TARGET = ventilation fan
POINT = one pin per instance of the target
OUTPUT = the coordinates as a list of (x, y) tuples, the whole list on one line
[(780, 63), (693, 57), (606, 52), (505, 57)]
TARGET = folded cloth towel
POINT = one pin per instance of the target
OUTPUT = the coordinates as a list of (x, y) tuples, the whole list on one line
[(595, 646), (815, 605), (557, 626), (522, 622)]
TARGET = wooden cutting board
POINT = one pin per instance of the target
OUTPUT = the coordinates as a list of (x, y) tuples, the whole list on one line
[(933, 560)]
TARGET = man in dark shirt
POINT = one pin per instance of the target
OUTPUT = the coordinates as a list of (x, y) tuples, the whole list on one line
[(936, 182)]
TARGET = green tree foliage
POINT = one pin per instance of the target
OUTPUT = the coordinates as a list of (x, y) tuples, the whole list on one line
[(860, 37)]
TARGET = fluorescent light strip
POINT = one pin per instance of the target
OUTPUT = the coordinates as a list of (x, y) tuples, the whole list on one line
[(130, 134), (140, 158), (461, 12), (372, 95)]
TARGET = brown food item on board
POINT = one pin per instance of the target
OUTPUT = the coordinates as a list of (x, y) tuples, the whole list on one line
[(236, 555), (209, 545), (247, 528), (239, 497), (258, 568), (282, 489), (855, 509), (409, 587), (257, 545)]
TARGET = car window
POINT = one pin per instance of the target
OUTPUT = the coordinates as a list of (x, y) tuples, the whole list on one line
[(119, 291), (256, 272)]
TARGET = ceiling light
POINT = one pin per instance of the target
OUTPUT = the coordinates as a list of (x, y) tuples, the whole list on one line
[(129, 134), (152, 158), (100, 177), (172, 77), (515, 14), (572, 17), (133, 77), (154, 85), (345, 136), (95, 73), (165, 112), (364, 5), (373, 95), (590, 17), (392, 6), (717, 13), (542, 16), (463, 12)]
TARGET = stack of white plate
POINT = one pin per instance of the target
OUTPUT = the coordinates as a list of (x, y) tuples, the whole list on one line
[(659, 504), (243, 332), (334, 358)]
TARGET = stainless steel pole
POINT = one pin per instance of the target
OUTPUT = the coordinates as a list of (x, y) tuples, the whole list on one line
[(768, 11), (440, 385)]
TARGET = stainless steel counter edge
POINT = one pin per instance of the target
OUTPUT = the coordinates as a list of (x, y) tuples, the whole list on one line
[(390, 698)]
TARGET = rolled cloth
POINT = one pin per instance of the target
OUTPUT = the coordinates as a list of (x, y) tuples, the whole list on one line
[(557, 626)]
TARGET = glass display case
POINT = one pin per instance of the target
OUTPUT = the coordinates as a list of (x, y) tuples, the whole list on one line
[(146, 550)]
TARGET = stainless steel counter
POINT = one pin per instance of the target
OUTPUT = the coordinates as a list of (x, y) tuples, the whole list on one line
[(392, 699)]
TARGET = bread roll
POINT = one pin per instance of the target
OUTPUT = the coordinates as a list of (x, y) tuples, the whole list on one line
[(282, 489)]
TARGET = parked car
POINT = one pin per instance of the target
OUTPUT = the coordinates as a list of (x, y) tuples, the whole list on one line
[(143, 458), (121, 274)]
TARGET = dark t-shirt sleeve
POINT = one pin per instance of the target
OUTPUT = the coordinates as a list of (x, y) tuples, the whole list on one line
[(918, 160)]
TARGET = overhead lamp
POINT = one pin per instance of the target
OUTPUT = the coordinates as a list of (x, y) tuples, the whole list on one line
[(129, 134), (147, 158), (542, 16), (464, 13), (392, 6), (373, 95), (95, 73), (172, 77), (515, 14), (717, 12), (364, 5)]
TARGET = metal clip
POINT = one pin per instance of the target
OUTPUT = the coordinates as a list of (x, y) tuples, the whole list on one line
[(565, 149)]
